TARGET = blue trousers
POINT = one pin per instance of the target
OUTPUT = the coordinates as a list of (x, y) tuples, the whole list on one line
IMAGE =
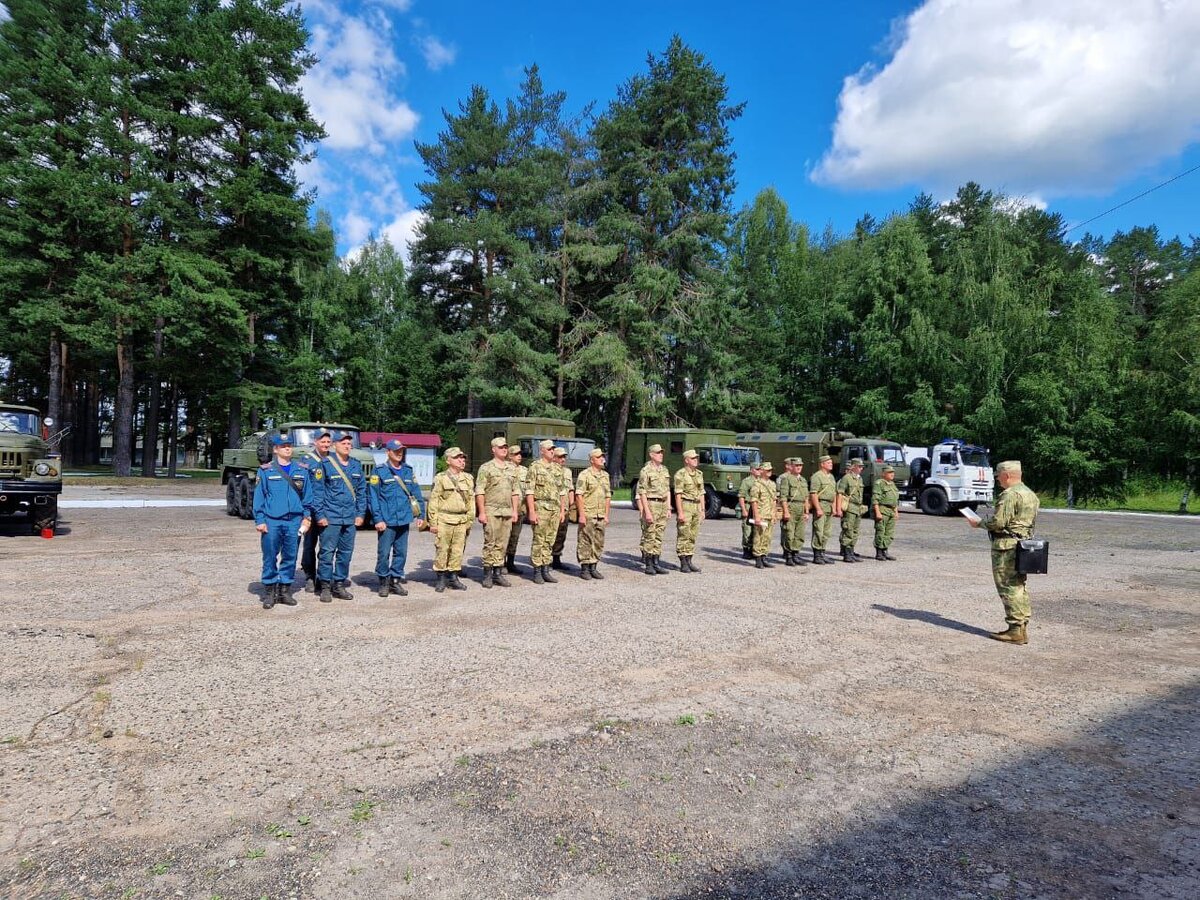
[(393, 552), (279, 550), (337, 546)]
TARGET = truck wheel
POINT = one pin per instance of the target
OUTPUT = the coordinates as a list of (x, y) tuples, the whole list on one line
[(245, 498), (46, 516), (231, 497), (934, 502), (712, 504)]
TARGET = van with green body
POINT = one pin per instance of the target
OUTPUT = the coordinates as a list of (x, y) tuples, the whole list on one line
[(776, 446), (475, 438), (30, 478), (722, 462)]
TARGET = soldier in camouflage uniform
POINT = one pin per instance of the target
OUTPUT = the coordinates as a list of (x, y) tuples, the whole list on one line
[(568, 479), (689, 509), (793, 500), (496, 499), (744, 508), (653, 502), (850, 490), (593, 499), (449, 514), (763, 499), (885, 498), (546, 505), (521, 477), (823, 499), (1013, 520)]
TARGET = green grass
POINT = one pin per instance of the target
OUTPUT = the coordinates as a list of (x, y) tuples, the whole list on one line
[(622, 494), (1141, 495)]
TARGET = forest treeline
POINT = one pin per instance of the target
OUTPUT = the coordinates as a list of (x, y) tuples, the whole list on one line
[(161, 268)]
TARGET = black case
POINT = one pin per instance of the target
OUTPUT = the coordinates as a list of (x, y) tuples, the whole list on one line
[(1033, 556)]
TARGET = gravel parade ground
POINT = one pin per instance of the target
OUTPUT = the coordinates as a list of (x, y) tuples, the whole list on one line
[(839, 731)]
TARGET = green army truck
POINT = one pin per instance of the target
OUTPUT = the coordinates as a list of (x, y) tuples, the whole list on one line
[(776, 446), (240, 467), (475, 438), (723, 463), (30, 479)]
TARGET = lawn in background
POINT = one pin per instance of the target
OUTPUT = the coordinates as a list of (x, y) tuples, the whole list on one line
[(1141, 495)]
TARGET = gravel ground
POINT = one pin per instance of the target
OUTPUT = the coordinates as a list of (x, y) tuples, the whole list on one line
[(845, 731)]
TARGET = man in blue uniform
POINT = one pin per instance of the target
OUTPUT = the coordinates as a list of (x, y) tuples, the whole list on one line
[(396, 502), (283, 510), (322, 447), (341, 503)]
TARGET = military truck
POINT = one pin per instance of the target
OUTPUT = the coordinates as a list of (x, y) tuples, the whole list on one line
[(239, 467), (776, 446), (475, 438), (948, 476), (30, 478), (723, 463)]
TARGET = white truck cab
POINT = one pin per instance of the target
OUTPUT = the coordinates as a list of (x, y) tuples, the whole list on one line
[(952, 474)]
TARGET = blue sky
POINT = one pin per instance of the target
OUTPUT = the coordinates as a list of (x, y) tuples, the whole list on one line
[(851, 108)]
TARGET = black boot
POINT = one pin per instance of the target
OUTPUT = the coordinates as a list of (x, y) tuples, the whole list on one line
[(747, 553), (683, 564), (647, 561), (317, 585), (787, 558), (326, 593), (550, 579), (796, 558), (691, 565), (848, 555), (585, 571), (556, 564), (879, 556), (858, 557), (269, 595), (396, 587), (767, 564), (384, 586), (456, 583), (758, 563), (888, 556), (487, 577), (657, 565), (596, 572), (510, 563), (498, 576), (537, 575), (819, 558), (440, 587), (340, 592), (284, 595)]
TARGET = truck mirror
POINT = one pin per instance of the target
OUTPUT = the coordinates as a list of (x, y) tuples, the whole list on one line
[(47, 421)]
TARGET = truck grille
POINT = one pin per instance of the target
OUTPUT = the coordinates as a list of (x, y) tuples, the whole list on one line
[(11, 462)]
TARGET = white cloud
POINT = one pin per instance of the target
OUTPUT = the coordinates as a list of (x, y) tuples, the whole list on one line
[(354, 228), (400, 233), (1046, 98), (437, 55)]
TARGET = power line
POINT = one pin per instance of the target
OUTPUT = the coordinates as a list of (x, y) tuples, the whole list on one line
[(1131, 199)]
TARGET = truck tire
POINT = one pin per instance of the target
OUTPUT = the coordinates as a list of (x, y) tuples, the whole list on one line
[(231, 497), (934, 502), (46, 516), (712, 503), (245, 498)]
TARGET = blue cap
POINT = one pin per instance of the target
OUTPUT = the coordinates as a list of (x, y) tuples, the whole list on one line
[(394, 444), (281, 440)]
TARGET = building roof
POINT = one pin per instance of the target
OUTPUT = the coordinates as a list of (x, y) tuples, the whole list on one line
[(409, 439)]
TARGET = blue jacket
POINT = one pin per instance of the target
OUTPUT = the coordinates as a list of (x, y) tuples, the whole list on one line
[(388, 501), (334, 500), (274, 496)]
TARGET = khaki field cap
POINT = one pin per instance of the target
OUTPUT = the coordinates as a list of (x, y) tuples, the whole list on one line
[(856, 461), (559, 451), (690, 454), (887, 469), (1012, 466), (825, 458), (596, 453), (499, 442), (453, 452), (514, 448), (547, 444), (655, 448), (767, 467), (792, 461)]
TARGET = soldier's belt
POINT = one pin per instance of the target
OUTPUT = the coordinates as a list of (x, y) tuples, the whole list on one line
[(690, 499), (656, 499)]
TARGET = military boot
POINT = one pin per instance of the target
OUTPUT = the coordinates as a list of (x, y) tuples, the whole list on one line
[(848, 555), (658, 566), (340, 592), (758, 563), (285, 595), (550, 579), (385, 586), (693, 566), (488, 578), (857, 556), (455, 582), (747, 553), (1014, 634), (268, 600), (395, 586), (556, 564), (888, 556), (585, 571), (683, 564), (510, 563), (596, 572), (796, 558), (498, 576), (819, 558), (787, 558), (440, 587), (326, 593), (880, 555), (767, 564), (537, 575), (649, 566)]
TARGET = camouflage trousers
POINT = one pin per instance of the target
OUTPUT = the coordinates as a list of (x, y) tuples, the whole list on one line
[(822, 528), (515, 535), (1011, 586), (560, 536), (589, 542), (762, 537), (688, 530), (450, 543), (496, 535), (653, 531), (885, 528), (544, 533), (791, 529), (850, 522), (747, 534)]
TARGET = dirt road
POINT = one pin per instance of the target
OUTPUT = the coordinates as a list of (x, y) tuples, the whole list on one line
[(830, 732)]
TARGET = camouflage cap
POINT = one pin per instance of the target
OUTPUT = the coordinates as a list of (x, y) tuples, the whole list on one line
[(559, 451), (547, 444), (1009, 465), (596, 453), (824, 459), (855, 461), (887, 469), (655, 448), (499, 442), (791, 461), (453, 453), (690, 454), (767, 467), (514, 448)]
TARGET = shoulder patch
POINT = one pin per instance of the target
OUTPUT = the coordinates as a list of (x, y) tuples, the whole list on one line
[(374, 479), (319, 474)]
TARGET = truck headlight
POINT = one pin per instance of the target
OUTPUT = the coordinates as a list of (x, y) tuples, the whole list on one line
[(42, 469)]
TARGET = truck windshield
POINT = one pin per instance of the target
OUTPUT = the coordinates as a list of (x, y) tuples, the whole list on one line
[(974, 456), (20, 422), (304, 437), (577, 450), (727, 456), (890, 455)]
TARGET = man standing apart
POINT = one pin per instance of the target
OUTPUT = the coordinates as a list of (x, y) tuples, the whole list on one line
[(654, 500), (793, 501), (395, 501), (496, 499), (568, 480), (521, 477), (308, 562), (885, 499), (689, 509), (593, 500), (1013, 520), (546, 505), (762, 508), (283, 509), (341, 493), (744, 508), (850, 492), (450, 504), (823, 498)]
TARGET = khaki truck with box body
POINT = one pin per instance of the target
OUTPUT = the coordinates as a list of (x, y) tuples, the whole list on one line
[(723, 463), (776, 446), (240, 467), (30, 478), (475, 438)]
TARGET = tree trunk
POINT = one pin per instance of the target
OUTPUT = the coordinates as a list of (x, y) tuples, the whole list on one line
[(1070, 494), (151, 441), (54, 405), (91, 405), (123, 407), (616, 455), (1187, 486)]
